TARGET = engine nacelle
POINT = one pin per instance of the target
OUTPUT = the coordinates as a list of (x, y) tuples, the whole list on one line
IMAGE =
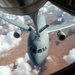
[(17, 33), (61, 35)]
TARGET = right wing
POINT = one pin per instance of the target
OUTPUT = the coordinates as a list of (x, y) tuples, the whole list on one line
[(60, 27), (23, 26)]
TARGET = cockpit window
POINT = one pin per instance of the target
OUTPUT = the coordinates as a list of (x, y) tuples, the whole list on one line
[(32, 50), (39, 51), (45, 48)]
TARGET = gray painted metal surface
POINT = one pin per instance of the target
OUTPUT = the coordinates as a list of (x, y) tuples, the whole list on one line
[(38, 42), (21, 7)]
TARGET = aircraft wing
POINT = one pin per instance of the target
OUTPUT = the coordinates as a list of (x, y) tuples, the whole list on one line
[(23, 26), (60, 27)]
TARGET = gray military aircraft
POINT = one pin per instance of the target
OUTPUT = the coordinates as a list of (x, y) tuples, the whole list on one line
[(38, 41)]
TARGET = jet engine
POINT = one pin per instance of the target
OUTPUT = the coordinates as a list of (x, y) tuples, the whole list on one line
[(61, 35), (17, 33)]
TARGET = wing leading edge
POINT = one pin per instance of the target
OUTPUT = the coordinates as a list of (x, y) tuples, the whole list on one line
[(60, 27), (23, 26)]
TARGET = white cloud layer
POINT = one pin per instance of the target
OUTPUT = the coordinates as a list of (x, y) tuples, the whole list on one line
[(70, 58), (5, 70), (49, 58), (60, 19), (1, 28), (8, 42), (22, 68)]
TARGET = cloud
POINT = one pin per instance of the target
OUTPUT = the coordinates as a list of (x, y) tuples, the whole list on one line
[(60, 19), (4, 54), (5, 70), (22, 67), (51, 13), (70, 58), (1, 28), (12, 27), (49, 58), (8, 42)]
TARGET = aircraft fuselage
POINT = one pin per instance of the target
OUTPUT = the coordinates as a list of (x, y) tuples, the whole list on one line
[(38, 46)]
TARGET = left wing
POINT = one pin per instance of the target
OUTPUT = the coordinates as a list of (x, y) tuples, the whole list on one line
[(60, 27), (23, 26)]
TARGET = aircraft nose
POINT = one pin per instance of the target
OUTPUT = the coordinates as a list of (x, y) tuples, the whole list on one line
[(38, 60), (37, 63)]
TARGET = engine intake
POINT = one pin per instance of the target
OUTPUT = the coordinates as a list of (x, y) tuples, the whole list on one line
[(61, 35), (17, 33)]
